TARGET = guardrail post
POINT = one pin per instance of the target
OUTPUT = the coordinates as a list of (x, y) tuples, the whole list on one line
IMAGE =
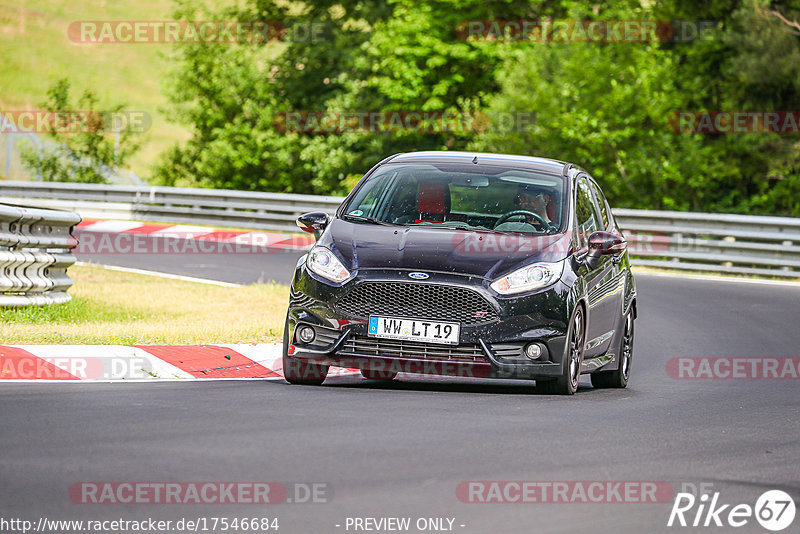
[(32, 242)]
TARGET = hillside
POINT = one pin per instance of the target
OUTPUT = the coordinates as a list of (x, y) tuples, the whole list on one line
[(36, 50)]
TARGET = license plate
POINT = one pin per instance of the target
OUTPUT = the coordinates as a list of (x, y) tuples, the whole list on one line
[(414, 330)]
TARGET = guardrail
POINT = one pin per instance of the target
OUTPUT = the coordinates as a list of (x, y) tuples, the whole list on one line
[(676, 240), (214, 207), (35, 252), (725, 243)]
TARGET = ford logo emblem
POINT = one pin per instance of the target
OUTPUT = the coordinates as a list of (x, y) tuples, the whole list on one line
[(418, 276)]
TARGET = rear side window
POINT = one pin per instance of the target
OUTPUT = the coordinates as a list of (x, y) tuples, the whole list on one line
[(586, 212), (603, 204)]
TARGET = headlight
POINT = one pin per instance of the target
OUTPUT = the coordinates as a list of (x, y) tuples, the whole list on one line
[(528, 278), (325, 263)]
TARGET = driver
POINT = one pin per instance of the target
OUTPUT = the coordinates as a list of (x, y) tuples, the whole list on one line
[(534, 200)]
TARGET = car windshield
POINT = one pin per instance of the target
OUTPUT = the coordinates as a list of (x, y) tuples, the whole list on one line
[(460, 197)]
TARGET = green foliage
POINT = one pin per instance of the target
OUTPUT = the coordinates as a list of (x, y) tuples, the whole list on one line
[(608, 107), (78, 310), (371, 56), (82, 147)]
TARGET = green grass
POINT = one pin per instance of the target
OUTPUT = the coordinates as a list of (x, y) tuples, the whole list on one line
[(79, 310), (37, 51), (113, 307)]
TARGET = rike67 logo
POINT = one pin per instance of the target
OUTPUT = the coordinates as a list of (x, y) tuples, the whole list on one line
[(774, 510)]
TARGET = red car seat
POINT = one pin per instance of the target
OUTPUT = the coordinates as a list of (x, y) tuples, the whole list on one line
[(433, 202)]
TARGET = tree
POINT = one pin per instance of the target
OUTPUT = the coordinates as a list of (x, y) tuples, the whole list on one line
[(231, 95), (607, 106), (82, 148), (373, 56)]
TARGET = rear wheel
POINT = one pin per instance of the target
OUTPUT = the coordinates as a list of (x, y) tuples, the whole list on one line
[(567, 383), (371, 374), (618, 378), (299, 371)]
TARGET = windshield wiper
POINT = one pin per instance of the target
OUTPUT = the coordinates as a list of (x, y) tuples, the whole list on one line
[(551, 231), (361, 218), (456, 227)]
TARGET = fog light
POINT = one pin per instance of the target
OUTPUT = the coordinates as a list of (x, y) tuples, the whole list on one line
[(533, 351), (305, 334)]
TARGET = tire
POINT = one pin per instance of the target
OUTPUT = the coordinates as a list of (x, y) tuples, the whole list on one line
[(618, 378), (567, 383), (299, 371), (371, 374)]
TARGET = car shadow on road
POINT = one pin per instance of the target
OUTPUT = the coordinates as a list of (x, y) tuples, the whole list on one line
[(448, 385)]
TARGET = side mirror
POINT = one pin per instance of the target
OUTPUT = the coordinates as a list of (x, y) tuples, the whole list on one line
[(602, 244), (314, 222)]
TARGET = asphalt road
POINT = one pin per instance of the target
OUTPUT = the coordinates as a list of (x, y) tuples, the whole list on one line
[(402, 449), (249, 265)]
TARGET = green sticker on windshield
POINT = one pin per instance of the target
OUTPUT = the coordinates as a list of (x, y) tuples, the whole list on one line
[(357, 213)]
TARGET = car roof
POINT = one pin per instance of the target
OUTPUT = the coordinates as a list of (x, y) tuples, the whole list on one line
[(551, 166)]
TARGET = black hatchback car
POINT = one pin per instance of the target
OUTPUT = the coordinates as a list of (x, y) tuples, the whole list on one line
[(465, 264)]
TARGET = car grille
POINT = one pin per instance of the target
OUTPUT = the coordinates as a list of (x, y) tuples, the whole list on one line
[(426, 301), (397, 348)]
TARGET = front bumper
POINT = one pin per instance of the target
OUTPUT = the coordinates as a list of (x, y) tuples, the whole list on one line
[(490, 349)]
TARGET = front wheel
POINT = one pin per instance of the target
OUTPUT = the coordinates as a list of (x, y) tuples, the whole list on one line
[(618, 378), (567, 383), (299, 371)]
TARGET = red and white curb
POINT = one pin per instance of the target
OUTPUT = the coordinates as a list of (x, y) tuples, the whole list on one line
[(144, 362), (181, 231)]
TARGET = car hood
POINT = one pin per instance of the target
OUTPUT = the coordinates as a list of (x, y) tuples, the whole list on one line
[(473, 253)]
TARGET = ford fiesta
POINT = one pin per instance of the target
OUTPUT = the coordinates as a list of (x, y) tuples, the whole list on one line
[(465, 264)]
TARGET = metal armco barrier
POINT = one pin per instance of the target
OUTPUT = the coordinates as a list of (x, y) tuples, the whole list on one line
[(35, 252), (675, 240), (724, 243), (214, 207)]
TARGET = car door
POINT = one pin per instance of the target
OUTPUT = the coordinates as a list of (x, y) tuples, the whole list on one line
[(612, 284), (601, 309)]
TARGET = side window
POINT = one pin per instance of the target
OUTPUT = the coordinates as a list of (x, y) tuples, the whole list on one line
[(588, 219), (366, 199), (402, 203), (601, 202)]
